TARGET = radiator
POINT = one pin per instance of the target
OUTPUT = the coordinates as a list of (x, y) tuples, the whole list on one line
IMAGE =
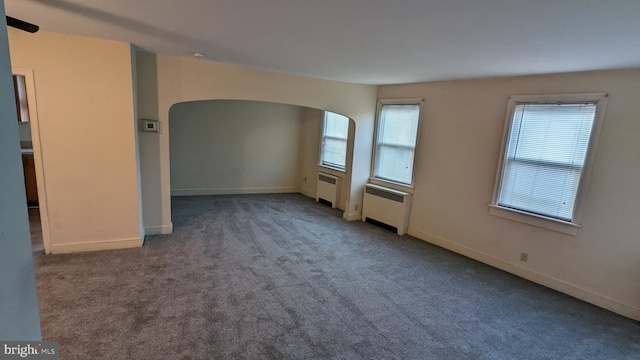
[(328, 189), (388, 206)]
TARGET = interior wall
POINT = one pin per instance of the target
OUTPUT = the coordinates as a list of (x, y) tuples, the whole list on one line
[(19, 317), (459, 146), (362, 175), (149, 143), (309, 150), (181, 80), (234, 147), (87, 131), (136, 132)]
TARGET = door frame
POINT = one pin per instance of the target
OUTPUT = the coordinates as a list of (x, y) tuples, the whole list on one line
[(34, 125)]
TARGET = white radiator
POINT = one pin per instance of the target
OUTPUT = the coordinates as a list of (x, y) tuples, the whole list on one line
[(328, 189), (388, 206)]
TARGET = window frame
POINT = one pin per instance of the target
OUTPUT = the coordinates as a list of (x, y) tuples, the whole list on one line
[(323, 135), (563, 226), (374, 179)]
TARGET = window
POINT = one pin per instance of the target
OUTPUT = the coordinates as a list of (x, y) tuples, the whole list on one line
[(549, 143), (334, 140), (395, 140)]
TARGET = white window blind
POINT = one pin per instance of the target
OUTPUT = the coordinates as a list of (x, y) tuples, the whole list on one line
[(545, 156), (334, 140), (396, 142)]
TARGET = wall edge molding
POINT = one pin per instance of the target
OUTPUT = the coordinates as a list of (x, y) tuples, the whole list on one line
[(96, 245), (351, 216), (528, 274), (159, 229)]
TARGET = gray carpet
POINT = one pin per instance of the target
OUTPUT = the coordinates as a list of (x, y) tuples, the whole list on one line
[(282, 277)]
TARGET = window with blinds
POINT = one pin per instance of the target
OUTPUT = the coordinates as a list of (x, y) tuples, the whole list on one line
[(335, 132), (396, 136), (545, 156)]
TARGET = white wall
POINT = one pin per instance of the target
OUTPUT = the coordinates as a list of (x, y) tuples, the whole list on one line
[(456, 165), (19, 318), (180, 80), (136, 132), (86, 120), (309, 150), (234, 147), (149, 143)]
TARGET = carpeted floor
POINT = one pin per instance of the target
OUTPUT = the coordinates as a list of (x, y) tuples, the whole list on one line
[(282, 277)]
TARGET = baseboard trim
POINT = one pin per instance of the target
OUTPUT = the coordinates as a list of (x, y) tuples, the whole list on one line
[(96, 245), (234, 191), (351, 216), (159, 230), (545, 280)]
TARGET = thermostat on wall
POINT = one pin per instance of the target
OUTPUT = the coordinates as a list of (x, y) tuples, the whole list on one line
[(149, 125)]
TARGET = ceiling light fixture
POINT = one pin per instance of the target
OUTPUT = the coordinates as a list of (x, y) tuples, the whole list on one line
[(198, 55)]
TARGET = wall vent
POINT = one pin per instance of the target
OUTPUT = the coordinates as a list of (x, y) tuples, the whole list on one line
[(385, 193), (387, 206), (328, 190), (327, 178)]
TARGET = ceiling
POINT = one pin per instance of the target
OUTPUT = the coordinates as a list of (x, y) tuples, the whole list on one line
[(364, 41)]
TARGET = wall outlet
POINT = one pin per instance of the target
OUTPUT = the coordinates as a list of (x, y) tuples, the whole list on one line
[(524, 257), (357, 207)]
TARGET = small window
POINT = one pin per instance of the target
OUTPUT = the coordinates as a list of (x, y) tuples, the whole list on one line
[(22, 105), (395, 140), (549, 144), (335, 132)]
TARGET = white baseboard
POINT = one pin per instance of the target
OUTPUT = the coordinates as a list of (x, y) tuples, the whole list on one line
[(158, 230), (234, 191), (550, 282), (351, 216), (96, 245)]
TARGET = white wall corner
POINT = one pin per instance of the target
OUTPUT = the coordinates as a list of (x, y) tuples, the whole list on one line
[(159, 230), (544, 280), (307, 192), (353, 216)]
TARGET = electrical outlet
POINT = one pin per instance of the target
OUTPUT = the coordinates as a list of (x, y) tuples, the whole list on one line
[(357, 207), (524, 257)]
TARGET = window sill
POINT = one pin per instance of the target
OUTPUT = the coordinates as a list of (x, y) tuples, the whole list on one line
[(535, 220), (341, 173), (392, 185)]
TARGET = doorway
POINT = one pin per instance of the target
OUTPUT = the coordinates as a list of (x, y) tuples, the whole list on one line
[(28, 125)]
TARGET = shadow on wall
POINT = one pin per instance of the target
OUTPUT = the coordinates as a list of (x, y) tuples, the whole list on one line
[(242, 147)]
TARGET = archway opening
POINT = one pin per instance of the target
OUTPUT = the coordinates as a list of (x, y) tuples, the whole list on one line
[(249, 147)]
